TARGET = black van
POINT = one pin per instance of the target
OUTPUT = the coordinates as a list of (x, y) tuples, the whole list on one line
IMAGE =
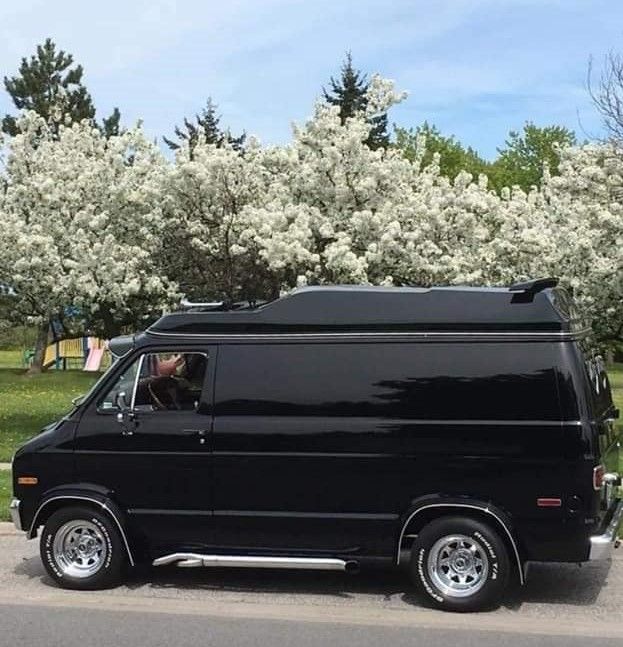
[(459, 432)]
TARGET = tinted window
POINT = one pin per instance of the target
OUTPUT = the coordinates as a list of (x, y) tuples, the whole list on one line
[(597, 378), (423, 381)]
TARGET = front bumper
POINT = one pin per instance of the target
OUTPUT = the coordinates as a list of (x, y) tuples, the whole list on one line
[(15, 515), (603, 545)]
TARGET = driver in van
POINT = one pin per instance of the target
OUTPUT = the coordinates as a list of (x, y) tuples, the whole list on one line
[(170, 366), (173, 382)]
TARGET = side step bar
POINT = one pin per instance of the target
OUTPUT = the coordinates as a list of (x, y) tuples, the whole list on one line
[(190, 560)]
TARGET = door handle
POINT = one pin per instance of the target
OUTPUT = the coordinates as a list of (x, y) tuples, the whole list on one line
[(202, 433)]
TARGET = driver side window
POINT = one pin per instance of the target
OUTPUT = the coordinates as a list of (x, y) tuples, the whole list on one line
[(160, 382)]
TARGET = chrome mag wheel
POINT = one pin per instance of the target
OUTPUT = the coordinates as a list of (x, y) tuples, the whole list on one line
[(458, 565), (79, 548)]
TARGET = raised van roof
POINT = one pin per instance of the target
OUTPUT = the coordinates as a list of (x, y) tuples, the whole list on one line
[(533, 306)]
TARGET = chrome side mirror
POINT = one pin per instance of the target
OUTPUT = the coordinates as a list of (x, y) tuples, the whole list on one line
[(125, 417), (121, 403)]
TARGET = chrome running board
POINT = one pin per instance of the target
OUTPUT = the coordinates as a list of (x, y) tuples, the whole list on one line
[(189, 560)]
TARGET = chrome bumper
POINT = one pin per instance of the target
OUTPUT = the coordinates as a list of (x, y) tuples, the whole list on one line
[(603, 545), (15, 516)]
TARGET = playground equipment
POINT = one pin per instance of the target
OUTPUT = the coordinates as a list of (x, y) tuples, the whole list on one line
[(87, 351)]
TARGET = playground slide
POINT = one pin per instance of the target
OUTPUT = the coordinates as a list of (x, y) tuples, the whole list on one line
[(94, 359)]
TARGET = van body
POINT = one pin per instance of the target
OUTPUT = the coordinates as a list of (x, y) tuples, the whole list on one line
[(459, 432)]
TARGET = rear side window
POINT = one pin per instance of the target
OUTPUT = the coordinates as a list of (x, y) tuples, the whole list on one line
[(597, 378), (433, 381)]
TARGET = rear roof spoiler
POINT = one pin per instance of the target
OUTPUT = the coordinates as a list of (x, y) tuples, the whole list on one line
[(534, 285)]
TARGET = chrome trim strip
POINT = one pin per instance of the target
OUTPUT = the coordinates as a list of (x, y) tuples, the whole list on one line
[(473, 507), (558, 336), (136, 379), (364, 516), (603, 545), (15, 515), (33, 526), (244, 561), (185, 303)]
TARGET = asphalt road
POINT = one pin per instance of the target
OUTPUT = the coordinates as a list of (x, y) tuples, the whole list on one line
[(49, 628), (561, 605)]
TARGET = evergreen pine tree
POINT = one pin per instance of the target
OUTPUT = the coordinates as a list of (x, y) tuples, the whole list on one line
[(349, 93), (206, 129), (51, 85), (110, 125)]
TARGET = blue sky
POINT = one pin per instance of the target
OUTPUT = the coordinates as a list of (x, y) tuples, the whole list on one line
[(475, 68)]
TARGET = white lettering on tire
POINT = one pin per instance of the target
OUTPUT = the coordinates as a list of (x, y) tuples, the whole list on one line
[(49, 538), (104, 530), (493, 573), (425, 584)]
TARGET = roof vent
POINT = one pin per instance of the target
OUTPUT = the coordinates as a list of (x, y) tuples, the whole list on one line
[(526, 290), (534, 285)]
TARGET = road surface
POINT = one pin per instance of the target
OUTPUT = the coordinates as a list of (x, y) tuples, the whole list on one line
[(561, 605)]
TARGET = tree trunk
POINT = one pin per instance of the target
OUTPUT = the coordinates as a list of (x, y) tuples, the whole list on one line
[(110, 327), (42, 341)]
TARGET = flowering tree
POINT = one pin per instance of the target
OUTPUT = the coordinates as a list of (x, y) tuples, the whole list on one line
[(328, 209), (205, 197), (110, 227), (586, 203), (330, 198), (81, 227)]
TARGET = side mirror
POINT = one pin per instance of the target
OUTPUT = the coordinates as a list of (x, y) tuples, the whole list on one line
[(125, 417), (121, 403)]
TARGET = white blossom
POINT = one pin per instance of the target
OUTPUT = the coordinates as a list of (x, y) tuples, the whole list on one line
[(82, 224), (110, 226)]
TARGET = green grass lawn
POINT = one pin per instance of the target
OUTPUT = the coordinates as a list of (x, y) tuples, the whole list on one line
[(6, 489), (11, 358), (27, 403), (615, 372)]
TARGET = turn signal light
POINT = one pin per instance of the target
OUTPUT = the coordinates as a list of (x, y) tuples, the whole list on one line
[(598, 477), (27, 480)]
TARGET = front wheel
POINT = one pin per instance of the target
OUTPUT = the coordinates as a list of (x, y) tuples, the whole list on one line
[(460, 564), (82, 549)]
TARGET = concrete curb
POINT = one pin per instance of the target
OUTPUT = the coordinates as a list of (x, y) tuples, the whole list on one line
[(7, 528), (5, 466)]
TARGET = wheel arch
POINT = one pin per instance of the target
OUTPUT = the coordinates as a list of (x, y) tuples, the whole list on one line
[(85, 494), (426, 509)]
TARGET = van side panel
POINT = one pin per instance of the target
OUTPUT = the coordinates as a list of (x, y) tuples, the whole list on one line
[(322, 446)]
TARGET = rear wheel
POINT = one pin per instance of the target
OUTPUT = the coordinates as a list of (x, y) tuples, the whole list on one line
[(81, 549), (460, 564)]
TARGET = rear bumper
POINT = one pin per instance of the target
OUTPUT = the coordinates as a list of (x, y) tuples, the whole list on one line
[(603, 545), (15, 515)]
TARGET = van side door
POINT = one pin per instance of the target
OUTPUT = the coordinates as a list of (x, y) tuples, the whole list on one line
[(155, 454)]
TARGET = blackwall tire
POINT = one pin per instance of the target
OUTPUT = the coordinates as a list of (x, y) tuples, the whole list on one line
[(81, 549), (460, 564)]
